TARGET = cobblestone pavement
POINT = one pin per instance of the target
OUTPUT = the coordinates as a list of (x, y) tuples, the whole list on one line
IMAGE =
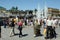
[(27, 32)]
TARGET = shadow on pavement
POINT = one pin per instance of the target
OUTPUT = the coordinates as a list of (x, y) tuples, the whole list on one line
[(22, 35), (39, 35)]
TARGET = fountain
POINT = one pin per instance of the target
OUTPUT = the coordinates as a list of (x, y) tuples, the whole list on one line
[(45, 11), (38, 14)]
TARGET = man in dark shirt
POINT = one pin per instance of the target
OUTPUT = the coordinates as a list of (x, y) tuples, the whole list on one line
[(0, 26), (12, 28)]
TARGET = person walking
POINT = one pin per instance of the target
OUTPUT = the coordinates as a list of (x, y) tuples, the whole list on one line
[(12, 28), (20, 23), (49, 28), (37, 25), (44, 22), (0, 31), (5, 23), (54, 27), (44, 26)]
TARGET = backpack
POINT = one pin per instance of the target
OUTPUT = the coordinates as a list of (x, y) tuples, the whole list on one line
[(20, 23)]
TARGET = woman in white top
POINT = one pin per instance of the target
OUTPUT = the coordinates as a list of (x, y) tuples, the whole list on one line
[(49, 28)]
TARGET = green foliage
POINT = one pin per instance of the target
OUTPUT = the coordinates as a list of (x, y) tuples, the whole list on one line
[(14, 10), (58, 14), (35, 10), (2, 8)]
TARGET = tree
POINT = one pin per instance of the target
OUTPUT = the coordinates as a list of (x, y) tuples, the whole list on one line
[(2, 8), (35, 10), (31, 11), (14, 10)]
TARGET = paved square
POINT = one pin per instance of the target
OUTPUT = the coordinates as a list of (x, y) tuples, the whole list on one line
[(28, 33)]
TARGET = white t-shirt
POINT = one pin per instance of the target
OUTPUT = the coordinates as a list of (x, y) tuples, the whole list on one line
[(37, 22), (49, 22), (59, 21), (54, 22), (45, 20)]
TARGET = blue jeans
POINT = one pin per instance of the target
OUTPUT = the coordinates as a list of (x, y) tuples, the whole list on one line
[(4, 25)]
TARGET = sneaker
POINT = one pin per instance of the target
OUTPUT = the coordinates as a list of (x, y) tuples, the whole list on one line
[(55, 37), (34, 35), (19, 36), (10, 36), (46, 37)]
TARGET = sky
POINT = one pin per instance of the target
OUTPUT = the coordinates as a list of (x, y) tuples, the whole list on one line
[(29, 4)]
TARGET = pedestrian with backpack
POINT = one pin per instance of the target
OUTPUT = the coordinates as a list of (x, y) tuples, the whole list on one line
[(20, 23)]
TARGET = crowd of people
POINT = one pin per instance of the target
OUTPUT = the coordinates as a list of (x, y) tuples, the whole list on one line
[(49, 24)]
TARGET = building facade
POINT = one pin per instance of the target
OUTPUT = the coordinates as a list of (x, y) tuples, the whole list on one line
[(54, 12)]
